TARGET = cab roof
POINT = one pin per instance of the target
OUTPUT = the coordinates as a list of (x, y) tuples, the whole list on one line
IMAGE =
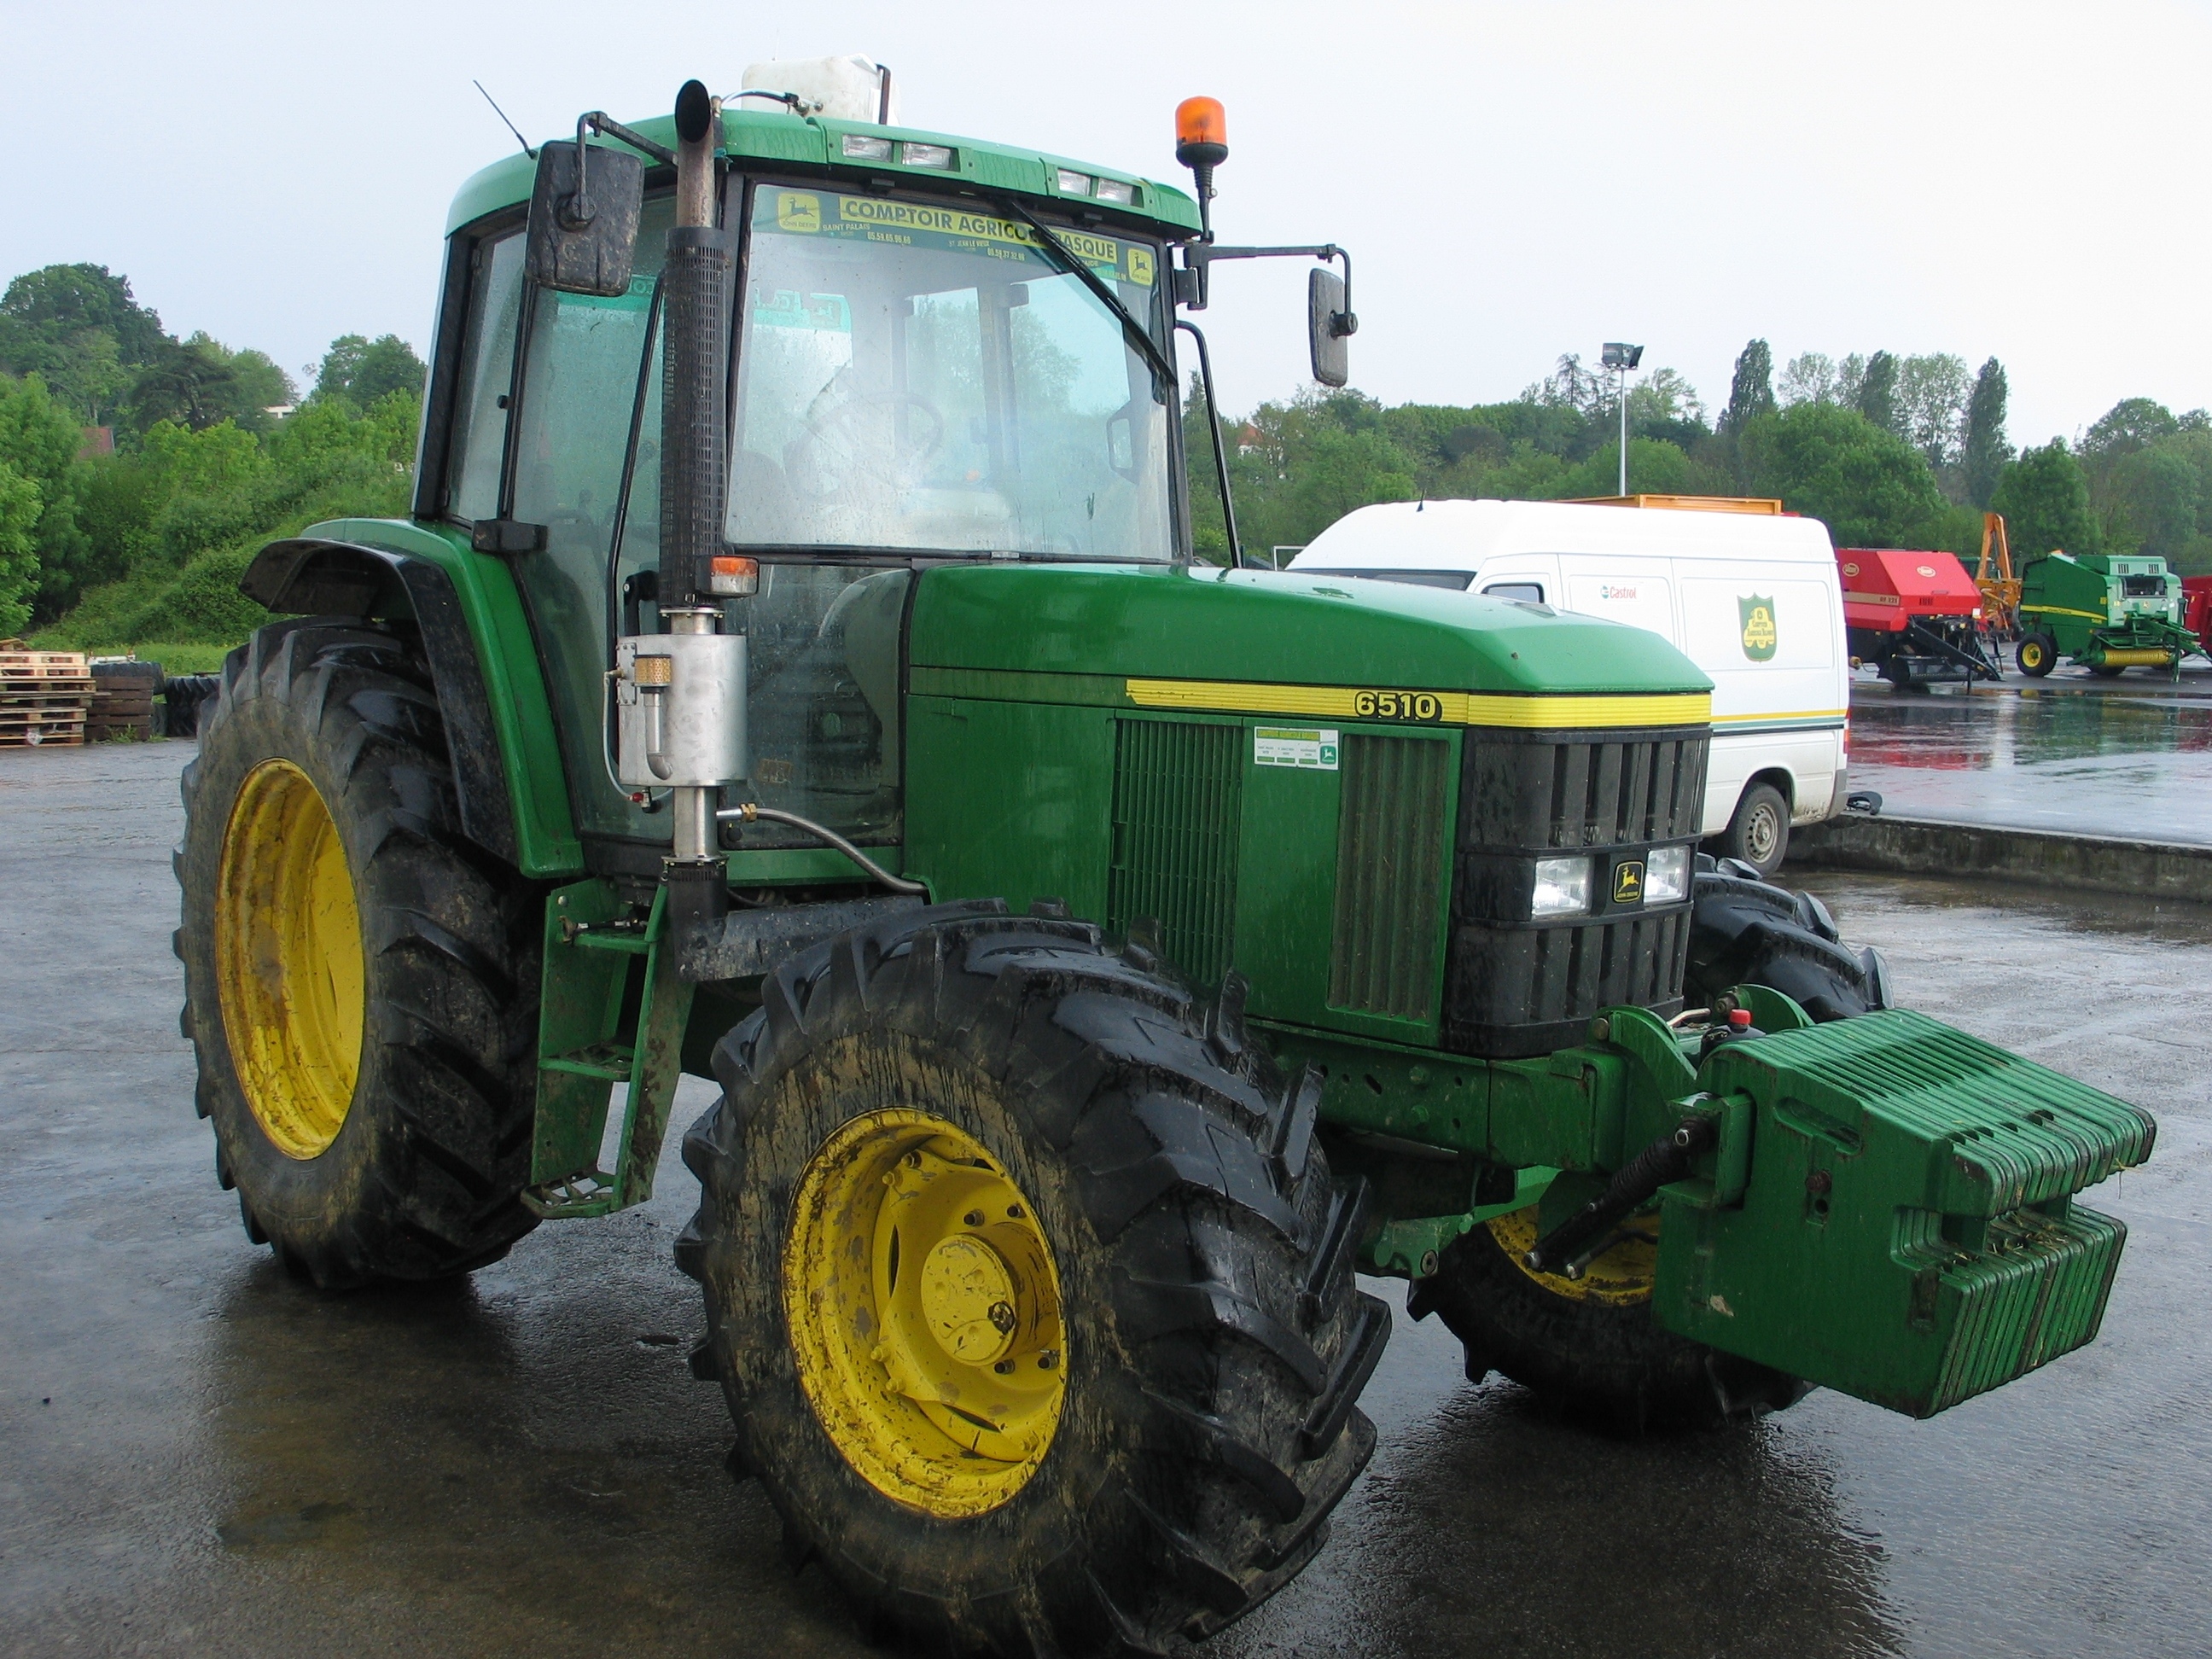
[(778, 136)]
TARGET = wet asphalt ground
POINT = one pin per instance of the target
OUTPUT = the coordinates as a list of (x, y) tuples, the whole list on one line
[(199, 1456), (2128, 757)]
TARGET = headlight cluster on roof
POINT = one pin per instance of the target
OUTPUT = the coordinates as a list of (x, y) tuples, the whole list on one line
[(866, 147)]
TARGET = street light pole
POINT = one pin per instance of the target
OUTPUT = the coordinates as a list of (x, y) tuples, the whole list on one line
[(1620, 358)]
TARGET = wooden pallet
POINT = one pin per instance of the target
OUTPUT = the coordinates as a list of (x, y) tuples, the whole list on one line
[(67, 733), (19, 664), (54, 694)]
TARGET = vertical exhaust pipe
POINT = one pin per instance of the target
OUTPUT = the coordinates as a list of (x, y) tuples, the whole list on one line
[(694, 486)]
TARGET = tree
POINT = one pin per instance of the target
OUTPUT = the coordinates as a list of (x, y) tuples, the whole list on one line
[(362, 370), (2046, 502), (1931, 405), (38, 443), (1983, 452), (79, 329), (2129, 424), (1751, 393), (1664, 397), (1868, 486), (19, 507), (2150, 502), (1811, 377), (1875, 397), (184, 382)]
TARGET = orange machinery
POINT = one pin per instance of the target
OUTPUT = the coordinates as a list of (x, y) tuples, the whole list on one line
[(2000, 588)]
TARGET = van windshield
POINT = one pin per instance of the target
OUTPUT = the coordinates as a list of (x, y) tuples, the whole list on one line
[(916, 376), (1452, 578)]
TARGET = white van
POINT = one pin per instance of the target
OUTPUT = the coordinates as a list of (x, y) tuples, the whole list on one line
[(1747, 594)]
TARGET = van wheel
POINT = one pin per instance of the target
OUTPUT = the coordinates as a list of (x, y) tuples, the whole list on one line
[(1758, 834)]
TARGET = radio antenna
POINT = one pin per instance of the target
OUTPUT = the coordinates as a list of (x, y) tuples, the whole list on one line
[(502, 113)]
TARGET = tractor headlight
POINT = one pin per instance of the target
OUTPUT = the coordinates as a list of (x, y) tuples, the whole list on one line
[(1114, 190), (1667, 875), (1563, 887), (927, 155), (866, 147)]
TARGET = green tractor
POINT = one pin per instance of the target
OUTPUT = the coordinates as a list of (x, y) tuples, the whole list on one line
[(795, 673), (2108, 612)]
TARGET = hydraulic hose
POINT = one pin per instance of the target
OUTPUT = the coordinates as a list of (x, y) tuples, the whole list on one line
[(1666, 1159), (751, 812)]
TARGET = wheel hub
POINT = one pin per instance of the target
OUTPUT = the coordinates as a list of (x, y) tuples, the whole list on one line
[(288, 964), (924, 1312), (968, 1295)]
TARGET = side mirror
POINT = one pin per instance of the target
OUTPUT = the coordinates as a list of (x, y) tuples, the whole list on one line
[(1328, 326), (583, 219)]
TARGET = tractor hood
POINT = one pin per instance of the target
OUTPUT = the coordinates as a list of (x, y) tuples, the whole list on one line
[(1199, 623)]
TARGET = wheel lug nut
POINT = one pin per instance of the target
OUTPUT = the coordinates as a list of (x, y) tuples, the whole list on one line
[(1004, 1367), (972, 1218), (1013, 1212), (1048, 1359)]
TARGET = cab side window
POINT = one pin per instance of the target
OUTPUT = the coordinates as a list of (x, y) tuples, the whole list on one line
[(1524, 593), (479, 439)]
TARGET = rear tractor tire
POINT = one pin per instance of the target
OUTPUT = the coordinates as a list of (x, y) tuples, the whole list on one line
[(361, 982), (1028, 1287), (1589, 1345)]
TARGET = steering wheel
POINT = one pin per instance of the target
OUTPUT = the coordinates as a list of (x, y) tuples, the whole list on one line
[(804, 460)]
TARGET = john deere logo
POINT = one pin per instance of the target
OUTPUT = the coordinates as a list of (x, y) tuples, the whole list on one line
[(1140, 265), (1759, 635), (796, 211), (1628, 882)]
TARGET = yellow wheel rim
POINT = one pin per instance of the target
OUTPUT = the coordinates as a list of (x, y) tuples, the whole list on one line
[(924, 1311), (2031, 656), (1620, 1278), (288, 959)]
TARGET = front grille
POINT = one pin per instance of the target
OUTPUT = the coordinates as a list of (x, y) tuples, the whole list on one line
[(1566, 795), (1389, 867), (1515, 986), (1177, 794)]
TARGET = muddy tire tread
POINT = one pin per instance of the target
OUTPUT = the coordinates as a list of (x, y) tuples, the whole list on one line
[(1236, 1354)]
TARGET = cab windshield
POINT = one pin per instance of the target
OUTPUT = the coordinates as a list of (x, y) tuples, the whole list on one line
[(926, 377)]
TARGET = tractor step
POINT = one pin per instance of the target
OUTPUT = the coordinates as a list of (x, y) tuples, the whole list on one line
[(590, 1193)]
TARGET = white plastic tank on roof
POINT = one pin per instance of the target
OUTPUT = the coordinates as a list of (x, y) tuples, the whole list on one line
[(853, 89)]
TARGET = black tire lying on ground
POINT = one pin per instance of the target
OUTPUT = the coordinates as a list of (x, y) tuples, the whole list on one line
[(1744, 930), (1203, 1313), (186, 696), (1590, 1344), (361, 981)]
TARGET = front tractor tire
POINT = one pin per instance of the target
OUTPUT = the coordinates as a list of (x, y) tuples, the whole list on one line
[(1590, 1345), (360, 981), (1028, 1287)]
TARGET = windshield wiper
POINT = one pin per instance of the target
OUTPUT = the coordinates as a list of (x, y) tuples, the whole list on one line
[(1075, 265)]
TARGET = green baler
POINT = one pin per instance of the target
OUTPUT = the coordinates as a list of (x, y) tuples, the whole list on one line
[(795, 673), (2108, 611)]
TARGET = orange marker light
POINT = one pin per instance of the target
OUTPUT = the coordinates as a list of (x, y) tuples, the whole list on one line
[(733, 575), (1201, 132)]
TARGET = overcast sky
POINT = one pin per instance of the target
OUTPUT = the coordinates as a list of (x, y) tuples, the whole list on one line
[(1516, 180)]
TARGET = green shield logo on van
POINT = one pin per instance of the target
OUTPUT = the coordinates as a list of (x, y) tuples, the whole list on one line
[(1759, 635)]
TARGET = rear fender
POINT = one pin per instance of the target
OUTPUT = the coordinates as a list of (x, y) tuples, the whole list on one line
[(484, 666)]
